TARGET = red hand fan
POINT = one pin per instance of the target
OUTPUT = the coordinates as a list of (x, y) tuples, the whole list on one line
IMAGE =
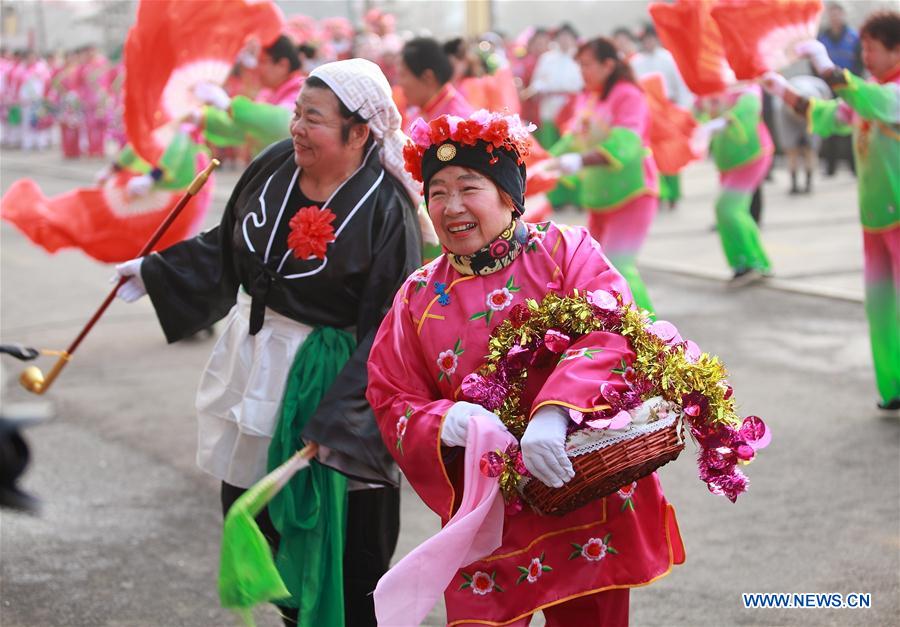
[(671, 128), (687, 30), (175, 45), (760, 35)]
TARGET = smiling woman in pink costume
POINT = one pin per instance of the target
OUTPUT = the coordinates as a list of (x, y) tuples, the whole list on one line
[(437, 333), (604, 146)]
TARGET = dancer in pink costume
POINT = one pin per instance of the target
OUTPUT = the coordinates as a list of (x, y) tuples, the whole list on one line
[(605, 146), (95, 100)]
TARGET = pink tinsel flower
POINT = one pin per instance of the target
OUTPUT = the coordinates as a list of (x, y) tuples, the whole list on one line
[(556, 341), (519, 357), (602, 300), (755, 432), (491, 464), (665, 331), (730, 485)]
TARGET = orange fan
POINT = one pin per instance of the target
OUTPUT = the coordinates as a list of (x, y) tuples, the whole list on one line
[(760, 35), (687, 30), (175, 45), (671, 128)]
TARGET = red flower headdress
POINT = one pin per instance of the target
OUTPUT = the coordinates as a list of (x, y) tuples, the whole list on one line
[(497, 131)]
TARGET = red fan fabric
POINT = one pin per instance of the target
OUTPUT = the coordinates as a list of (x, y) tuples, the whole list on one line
[(760, 35), (101, 221), (173, 46), (687, 30), (671, 128)]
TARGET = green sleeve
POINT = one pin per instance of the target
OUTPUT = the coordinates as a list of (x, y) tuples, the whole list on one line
[(562, 145), (267, 123), (871, 100), (128, 159), (622, 146), (219, 129), (822, 118), (179, 162)]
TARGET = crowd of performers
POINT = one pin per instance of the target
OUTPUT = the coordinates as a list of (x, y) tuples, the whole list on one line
[(373, 159)]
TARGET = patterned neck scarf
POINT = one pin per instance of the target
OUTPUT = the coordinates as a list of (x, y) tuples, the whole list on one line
[(495, 255)]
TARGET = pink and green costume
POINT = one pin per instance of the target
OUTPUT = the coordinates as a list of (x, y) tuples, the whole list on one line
[(263, 121), (742, 153), (622, 196), (871, 112), (435, 334)]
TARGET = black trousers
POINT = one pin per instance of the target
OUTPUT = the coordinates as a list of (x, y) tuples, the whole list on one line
[(373, 525)]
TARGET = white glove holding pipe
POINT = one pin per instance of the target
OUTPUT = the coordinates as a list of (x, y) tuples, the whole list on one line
[(134, 288), (139, 185), (775, 84), (212, 94), (544, 446), (815, 51), (455, 429), (570, 162)]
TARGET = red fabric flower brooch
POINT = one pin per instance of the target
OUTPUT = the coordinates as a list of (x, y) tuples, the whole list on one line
[(495, 129), (311, 232)]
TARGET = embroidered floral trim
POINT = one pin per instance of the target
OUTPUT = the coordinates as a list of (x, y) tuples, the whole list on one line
[(448, 360), (421, 276), (311, 232), (401, 428), (536, 234), (480, 582), (626, 493), (533, 571), (497, 300), (574, 353), (594, 549)]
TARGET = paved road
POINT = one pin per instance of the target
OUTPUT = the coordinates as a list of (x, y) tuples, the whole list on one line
[(129, 533)]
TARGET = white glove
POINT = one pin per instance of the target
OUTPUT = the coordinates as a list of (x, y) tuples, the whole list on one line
[(134, 288), (456, 425), (212, 94), (714, 126), (103, 174), (570, 163), (815, 51), (139, 185), (775, 84), (544, 446)]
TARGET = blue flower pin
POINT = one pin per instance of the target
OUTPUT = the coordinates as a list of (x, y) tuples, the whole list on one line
[(441, 290)]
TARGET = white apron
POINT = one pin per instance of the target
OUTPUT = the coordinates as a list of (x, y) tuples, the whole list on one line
[(240, 393)]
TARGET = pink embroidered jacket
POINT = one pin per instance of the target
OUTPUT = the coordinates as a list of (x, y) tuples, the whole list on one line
[(434, 335)]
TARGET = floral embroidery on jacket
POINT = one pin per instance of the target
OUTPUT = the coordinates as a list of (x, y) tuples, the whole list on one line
[(573, 353), (448, 360), (480, 582), (498, 300), (536, 234), (533, 571), (421, 276), (594, 549), (401, 428), (626, 493)]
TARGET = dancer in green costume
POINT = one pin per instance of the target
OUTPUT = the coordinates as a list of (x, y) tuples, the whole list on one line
[(871, 112), (742, 150)]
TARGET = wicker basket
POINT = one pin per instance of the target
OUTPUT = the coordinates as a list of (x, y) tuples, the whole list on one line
[(601, 472)]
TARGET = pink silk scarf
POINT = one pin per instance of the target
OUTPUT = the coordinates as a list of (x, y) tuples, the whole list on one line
[(408, 591)]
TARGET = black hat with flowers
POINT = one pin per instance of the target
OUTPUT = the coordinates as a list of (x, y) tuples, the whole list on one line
[(490, 143)]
